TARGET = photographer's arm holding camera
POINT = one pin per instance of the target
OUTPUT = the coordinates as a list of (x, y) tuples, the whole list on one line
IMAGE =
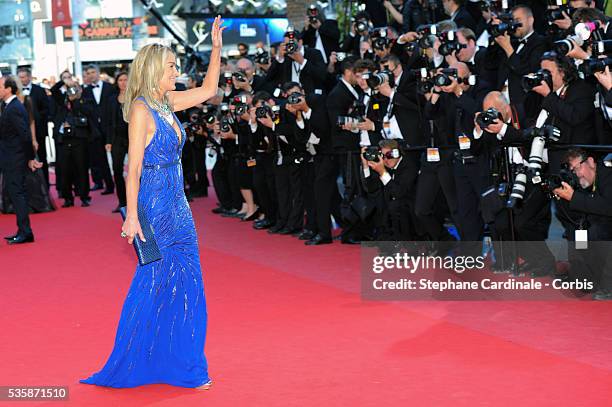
[(594, 202)]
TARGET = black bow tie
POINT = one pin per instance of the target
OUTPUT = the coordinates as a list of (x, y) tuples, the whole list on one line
[(95, 86), (26, 88)]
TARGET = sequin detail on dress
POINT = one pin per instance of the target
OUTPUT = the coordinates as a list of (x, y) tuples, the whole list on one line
[(162, 329)]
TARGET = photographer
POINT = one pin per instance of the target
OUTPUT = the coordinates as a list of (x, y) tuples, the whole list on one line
[(474, 57), (593, 204), (73, 129), (297, 63), (345, 116), (225, 128), (244, 79), (452, 105), (360, 28), (385, 168), (419, 12), (517, 56), (194, 156), (531, 219), (263, 142), (321, 34)]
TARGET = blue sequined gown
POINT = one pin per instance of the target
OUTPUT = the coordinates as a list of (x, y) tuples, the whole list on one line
[(162, 329)]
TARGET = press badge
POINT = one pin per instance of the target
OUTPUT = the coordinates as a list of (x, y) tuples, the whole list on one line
[(433, 155), (582, 239), (251, 163), (387, 128), (464, 143)]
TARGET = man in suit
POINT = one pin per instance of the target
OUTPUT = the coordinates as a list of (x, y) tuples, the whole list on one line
[(396, 176), (305, 65), (459, 14), (517, 57), (16, 155), (322, 35), (40, 110), (102, 93), (474, 57)]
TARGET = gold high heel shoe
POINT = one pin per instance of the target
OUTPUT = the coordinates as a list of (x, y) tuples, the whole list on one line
[(205, 386)]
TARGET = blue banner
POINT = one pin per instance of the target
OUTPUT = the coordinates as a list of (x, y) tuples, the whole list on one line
[(247, 30)]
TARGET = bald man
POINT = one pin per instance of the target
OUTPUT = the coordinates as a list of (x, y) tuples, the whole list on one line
[(532, 218)]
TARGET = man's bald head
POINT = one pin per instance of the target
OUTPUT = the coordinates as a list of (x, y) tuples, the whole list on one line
[(462, 69), (498, 101)]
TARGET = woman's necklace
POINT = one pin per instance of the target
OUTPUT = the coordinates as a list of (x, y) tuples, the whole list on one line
[(164, 111)]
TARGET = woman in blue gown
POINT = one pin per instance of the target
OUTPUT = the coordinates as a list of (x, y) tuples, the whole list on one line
[(162, 328)]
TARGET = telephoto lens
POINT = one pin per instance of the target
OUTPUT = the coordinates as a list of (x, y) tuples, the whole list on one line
[(563, 47), (503, 28), (294, 98), (592, 65), (518, 189), (536, 158)]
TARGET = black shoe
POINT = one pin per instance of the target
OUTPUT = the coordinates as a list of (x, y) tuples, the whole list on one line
[(230, 213), (85, 203), (349, 240), (317, 240), (68, 204), (306, 235), (275, 229), (117, 209), (19, 239), (297, 232), (12, 237), (219, 210), (286, 231), (97, 187), (264, 224), (602, 295), (108, 192)]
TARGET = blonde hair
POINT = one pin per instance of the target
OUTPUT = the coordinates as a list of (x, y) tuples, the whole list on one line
[(146, 71)]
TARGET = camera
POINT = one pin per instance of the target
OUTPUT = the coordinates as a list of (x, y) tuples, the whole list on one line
[(72, 90), (340, 56), (563, 47), (554, 181), (487, 117), (449, 44), (427, 35), (531, 80), (227, 78), (374, 80), (593, 65), (502, 28), (262, 56), (294, 98), (518, 189), (240, 76), (362, 26), (263, 111), (292, 45), (312, 12), (240, 105), (209, 113), (547, 132), (492, 5), (342, 120), (444, 77), (372, 153), (379, 38), (557, 13)]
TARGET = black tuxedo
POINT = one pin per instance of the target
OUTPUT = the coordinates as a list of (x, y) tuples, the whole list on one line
[(103, 113), (518, 64), (312, 76), (398, 195), (15, 151), (463, 18), (339, 102), (330, 37)]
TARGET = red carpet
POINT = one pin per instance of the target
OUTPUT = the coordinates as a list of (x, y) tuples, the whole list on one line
[(287, 326)]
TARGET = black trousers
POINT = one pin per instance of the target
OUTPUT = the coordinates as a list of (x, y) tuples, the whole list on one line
[(264, 185), (220, 176), (16, 188), (118, 153), (326, 195), (433, 179), (234, 182), (470, 181), (100, 171), (74, 167), (58, 164), (307, 178), (41, 139)]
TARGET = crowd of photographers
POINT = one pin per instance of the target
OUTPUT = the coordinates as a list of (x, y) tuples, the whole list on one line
[(483, 115)]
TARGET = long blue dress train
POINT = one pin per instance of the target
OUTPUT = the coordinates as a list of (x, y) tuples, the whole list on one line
[(162, 329)]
